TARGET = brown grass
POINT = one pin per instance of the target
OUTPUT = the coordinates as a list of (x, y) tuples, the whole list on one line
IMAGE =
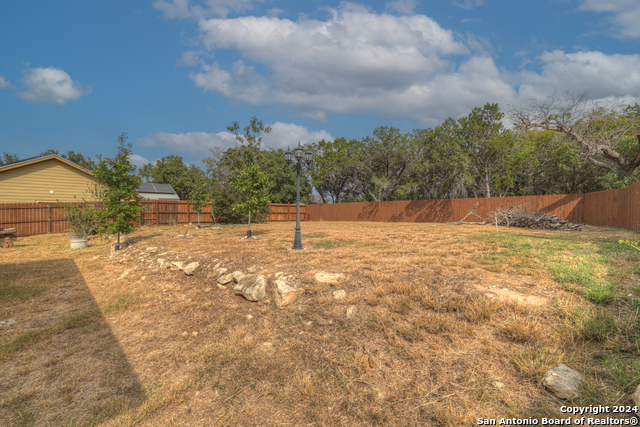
[(442, 315)]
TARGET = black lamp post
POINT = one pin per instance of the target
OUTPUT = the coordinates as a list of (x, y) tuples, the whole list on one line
[(308, 160)]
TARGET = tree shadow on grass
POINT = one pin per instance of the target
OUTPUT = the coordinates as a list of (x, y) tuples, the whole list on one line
[(59, 361)]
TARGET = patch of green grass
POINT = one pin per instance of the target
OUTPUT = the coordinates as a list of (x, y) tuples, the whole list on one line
[(625, 374), (120, 302), (332, 244), (315, 235), (86, 318), (591, 325), (600, 293), (11, 293), (20, 342)]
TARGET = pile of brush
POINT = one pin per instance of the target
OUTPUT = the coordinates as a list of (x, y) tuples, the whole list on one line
[(525, 217)]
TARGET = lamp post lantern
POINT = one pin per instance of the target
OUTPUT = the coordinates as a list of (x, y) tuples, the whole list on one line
[(300, 159)]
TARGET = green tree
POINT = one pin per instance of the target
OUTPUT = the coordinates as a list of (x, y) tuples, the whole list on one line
[(173, 171), (119, 192), (386, 163), (284, 177), (253, 187), (253, 133), (200, 194), (7, 158), (79, 159), (489, 146), (334, 172), (604, 135), (49, 153)]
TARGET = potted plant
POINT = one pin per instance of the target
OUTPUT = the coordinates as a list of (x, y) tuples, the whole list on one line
[(83, 221)]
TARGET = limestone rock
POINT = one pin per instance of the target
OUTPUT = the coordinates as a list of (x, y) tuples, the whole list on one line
[(253, 288), (178, 264), (286, 293), (221, 271), (225, 279), (190, 268), (351, 311), (636, 396), (237, 276), (7, 322), (332, 278), (562, 381), (339, 295)]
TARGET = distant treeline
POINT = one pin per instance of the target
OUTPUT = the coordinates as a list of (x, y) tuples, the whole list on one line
[(554, 147)]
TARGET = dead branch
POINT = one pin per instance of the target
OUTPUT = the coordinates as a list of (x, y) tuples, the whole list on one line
[(462, 221)]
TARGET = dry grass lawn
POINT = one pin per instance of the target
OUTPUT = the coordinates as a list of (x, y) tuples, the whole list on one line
[(452, 323)]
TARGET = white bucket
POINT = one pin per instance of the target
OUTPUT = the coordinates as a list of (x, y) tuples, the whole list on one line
[(78, 242)]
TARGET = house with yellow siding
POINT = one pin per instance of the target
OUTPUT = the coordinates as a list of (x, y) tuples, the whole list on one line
[(45, 179)]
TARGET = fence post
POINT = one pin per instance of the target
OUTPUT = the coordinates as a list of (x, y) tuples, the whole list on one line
[(49, 219)]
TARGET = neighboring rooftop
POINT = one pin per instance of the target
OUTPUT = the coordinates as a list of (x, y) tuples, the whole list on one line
[(146, 187), (40, 159)]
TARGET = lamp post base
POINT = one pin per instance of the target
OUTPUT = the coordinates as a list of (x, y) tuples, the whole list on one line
[(297, 242), (248, 234)]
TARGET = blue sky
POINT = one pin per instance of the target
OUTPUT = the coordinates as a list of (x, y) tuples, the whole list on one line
[(173, 74)]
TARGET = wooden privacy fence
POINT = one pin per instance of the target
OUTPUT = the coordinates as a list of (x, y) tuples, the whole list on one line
[(43, 218), (618, 208)]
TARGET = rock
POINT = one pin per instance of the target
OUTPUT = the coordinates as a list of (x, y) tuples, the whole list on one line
[(221, 287), (125, 273), (285, 293), (7, 322), (252, 287), (498, 385), (195, 334), (151, 249), (333, 278), (636, 396), (248, 317), (221, 271), (190, 268), (278, 274), (351, 311), (178, 264), (225, 279), (237, 276), (339, 295), (562, 381)]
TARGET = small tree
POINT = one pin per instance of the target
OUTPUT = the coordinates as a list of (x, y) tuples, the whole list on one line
[(120, 195), (200, 195), (253, 187)]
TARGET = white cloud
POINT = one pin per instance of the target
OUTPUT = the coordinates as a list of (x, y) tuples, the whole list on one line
[(186, 9), (198, 144), (140, 161), (285, 135), (356, 59), (468, 4), (4, 83), (190, 58), (604, 77), (405, 7), (625, 15), (52, 86)]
